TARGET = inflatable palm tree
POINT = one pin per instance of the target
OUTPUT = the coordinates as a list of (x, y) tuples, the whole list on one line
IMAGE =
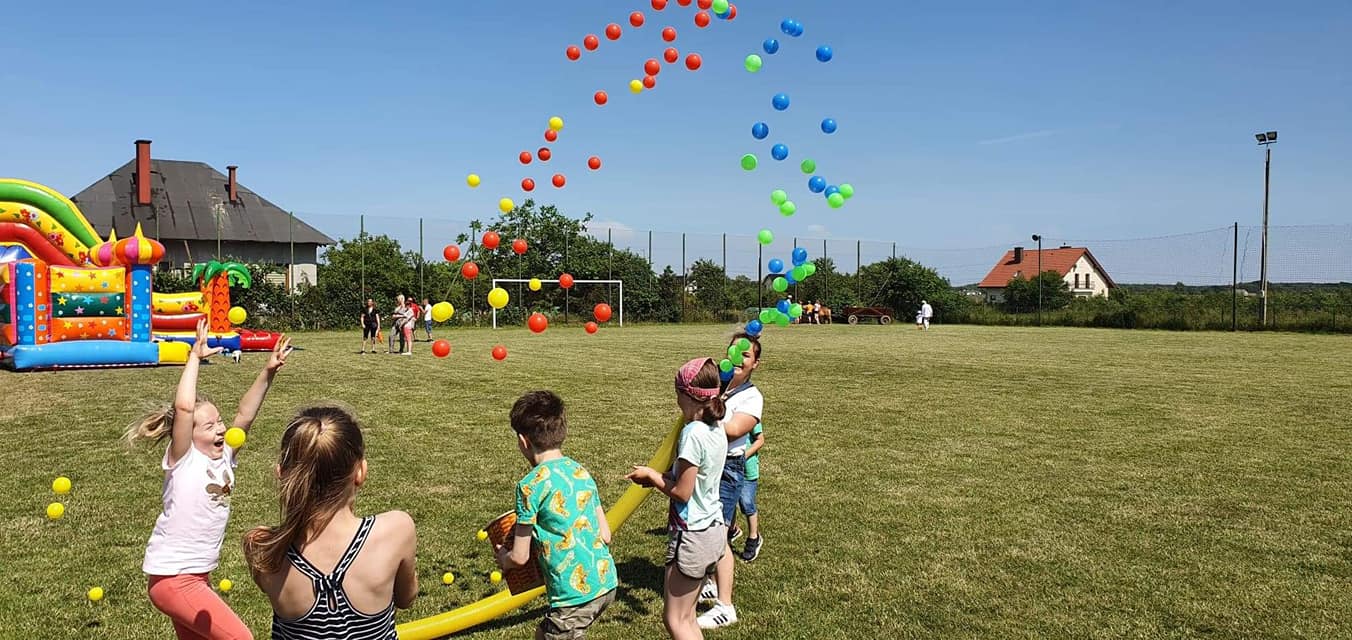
[(214, 279)]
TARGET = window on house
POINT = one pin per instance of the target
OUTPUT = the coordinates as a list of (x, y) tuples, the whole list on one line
[(1086, 281), (1077, 281)]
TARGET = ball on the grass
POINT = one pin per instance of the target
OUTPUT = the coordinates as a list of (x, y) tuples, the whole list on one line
[(61, 485), (447, 578), (441, 348), (590, 327), (237, 315), (95, 594), (55, 510), (481, 535), (225, 585), (495, 577), (499, 353), (235, 436)]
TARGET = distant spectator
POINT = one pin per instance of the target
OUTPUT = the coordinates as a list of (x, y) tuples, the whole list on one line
[(427, 318), (370, 326), (926, 312)]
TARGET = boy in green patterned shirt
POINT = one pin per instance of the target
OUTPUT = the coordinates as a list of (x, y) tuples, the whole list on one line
[(558, 509)]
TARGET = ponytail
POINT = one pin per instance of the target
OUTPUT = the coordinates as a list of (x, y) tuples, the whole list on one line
[(320, 451), (156, 425)]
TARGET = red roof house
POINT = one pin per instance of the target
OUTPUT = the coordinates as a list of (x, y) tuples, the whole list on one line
[(1082, 272)]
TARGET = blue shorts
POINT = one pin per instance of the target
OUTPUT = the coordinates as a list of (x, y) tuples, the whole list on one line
[(730, 486), (747, 497)]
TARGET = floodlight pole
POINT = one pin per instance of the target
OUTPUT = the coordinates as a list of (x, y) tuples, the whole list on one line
[(1038, 239), (1267, 175)]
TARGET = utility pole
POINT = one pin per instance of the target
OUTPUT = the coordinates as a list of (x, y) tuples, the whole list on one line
[(1265, 139), (1038, 239)]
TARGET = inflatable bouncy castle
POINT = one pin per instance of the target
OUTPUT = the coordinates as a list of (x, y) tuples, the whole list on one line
[(70, 299)]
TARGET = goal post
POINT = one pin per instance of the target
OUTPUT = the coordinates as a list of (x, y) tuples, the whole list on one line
[(543, 281)]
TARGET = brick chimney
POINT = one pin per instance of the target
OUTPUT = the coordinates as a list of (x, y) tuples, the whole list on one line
[(142, 178), (234, 194), (1018, 255)]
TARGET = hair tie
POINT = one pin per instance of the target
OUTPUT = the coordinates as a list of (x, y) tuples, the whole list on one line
[(685, 378)]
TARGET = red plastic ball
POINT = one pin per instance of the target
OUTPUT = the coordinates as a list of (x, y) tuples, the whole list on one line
[(593, 163), (600, 98), (518, 246), (558, 180), (524, 157), (613, 31), (732, 11), (491, 240), (591, 327), (649, 81), (441, 348), (602, 312), (636, 19), (527, 184), (572, 52), (537, 322), (669, 34), (659, 5), (704, 4), (451, 253), (469, 270), (693, 61), (652, 66), (591, 42), (671, 55), (702, 19), (544, 154), (566, 281), (499, 353), (551, 135), (683, 3)]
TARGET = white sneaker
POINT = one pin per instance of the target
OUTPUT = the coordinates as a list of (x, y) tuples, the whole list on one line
[(709, 593), (721, 615)]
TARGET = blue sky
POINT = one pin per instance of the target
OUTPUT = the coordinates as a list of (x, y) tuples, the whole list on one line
[(962, 124)]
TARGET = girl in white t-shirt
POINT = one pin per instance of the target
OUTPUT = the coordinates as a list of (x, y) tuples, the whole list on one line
[(199, 476)]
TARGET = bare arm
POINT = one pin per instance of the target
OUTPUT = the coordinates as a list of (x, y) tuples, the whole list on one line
[(519, 553), (740, 424), (185, 398), (602, 524), (680, 484), (406, 578), (756, 445), (253, 398)]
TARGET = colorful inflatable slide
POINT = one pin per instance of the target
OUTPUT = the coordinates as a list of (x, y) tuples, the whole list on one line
[(71, 299)]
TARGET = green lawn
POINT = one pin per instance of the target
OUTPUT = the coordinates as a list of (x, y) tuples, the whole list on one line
[(961, 483)]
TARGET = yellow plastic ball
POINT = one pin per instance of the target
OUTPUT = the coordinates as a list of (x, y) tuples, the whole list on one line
[(226, 585), (495, 577), (534, 284), (237, 315), (481, 535), (556, 124), (235, 437), (447, 578), (497, 298), (55, 510), (442, 311), (61, 485), (472, 180), (95, 594), (635, 86), (506, 205)]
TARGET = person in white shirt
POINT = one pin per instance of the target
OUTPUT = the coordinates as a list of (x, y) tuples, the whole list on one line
[(199, 477), (926, 312)]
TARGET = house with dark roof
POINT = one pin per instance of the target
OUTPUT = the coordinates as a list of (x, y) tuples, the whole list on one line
[(200, 214), (1083, 274)]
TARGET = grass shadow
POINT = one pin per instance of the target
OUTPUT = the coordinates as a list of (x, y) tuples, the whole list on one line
[(640, 574)]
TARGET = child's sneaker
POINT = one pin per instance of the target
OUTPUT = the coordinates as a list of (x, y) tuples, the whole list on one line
[(734, 533), (708, 594), (721, 615), (753, 547)]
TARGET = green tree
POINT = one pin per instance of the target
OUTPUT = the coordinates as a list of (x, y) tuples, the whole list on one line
[(901, 283), (1021, 294), (710, 286)]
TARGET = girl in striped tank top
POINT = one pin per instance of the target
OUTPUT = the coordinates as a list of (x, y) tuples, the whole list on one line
[(328, 572)]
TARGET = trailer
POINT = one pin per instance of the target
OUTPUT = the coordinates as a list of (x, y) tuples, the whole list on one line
[(853, 315)]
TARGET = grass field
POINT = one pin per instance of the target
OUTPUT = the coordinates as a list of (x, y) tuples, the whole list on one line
[(961, 483)]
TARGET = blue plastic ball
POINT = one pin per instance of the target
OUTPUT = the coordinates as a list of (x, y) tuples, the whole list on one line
[(776, 265), (771, 46), (829, 126), (783, 306), (824, 53), (779, 151), (797, 29), (787, 26), (754, 327), (780, 102), (830, 190), (724, 15), (799, 256), (790, 278), (760, 130), (816, 184), (725, 376)]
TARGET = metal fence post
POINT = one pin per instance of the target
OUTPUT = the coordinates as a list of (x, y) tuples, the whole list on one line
[(826, 293), (789, 267), (760, 278), (361, 238), (1234, 283), (291, 268), (567, 238), (650, 250), (685, 278), (422, 258), (858, 252), (610, 264)]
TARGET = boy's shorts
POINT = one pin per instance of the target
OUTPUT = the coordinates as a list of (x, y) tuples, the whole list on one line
[(569, 623), (730, 486), (747, 498), (696, 553)]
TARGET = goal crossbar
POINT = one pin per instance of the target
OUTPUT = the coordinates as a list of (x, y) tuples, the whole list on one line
[(543, 281)]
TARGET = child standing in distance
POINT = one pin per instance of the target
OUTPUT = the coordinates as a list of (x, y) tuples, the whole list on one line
[(747, 498), (199, 475), (697, 534), (370, 326), (559, 509), (745, 405), (427, 317), (324, 568)]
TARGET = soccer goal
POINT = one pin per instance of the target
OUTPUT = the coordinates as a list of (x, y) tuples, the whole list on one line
[(576, 282)]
